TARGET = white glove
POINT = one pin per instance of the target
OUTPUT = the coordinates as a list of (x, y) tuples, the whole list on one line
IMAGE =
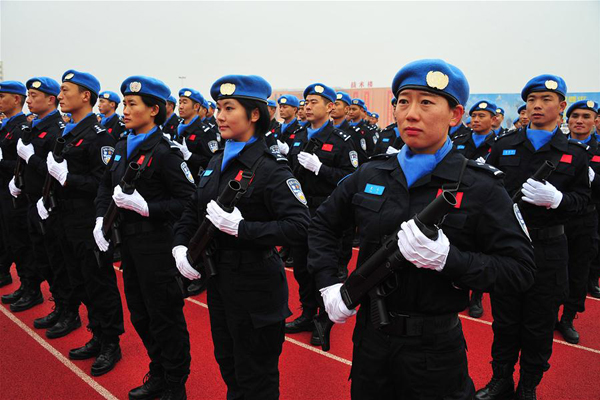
[(420, 250), (284, 148), (58, 170), (481, 160), (310, 161), (183, 265), (14, 191), (167, 136), (25, 152), (392, 150), (99, 236), (591, 174), (334, 305), (42, 212), (184, 149), (541, 194), (134, 202), (228, 223), (1, 156)]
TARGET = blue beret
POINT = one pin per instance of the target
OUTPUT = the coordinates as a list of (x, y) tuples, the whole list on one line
[(369, 114), (320, 90), (251, 87), (522, 108), (343, 96), (212, 104), (483, 106), (44, 84), (289, 100), (82, 79), (145, 86), (13, 87), (172, 99), (499, 110), (394, 101), (375, 115), (110, 96), (192, 94), (468, 120), (433, 75), (583, 105), (271, 103), (301, 102), (360, 103), (545, 83)]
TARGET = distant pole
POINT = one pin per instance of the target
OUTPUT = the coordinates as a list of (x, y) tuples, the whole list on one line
[(181, 79)]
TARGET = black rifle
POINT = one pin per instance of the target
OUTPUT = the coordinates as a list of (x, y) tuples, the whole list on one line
[(19, 168), (199, 249), (369, 279), (540, 175), (309, 147), (110, 218), (48, 198)]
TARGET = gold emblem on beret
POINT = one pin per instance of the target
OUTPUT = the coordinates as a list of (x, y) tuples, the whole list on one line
[(283, 101), (106, 95), (339, 96), (551, 84), (36, 84), (483, 105), (590, 104), (135, 87), (319, 89), (437, 80), (498, 110), (227, 89), (354, 101), (69, 76), (187, 93)]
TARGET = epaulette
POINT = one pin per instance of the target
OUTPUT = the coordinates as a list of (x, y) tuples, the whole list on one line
[(99, 129), (462, 135), (342, 134), (61, 124), (505, 134), (490, 169), (207, 128), (24, 127), (382, 156), (276, 154), (578, 143), (390, 126)]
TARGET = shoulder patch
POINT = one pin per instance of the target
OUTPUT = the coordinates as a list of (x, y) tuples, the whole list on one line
[(106, 152), (61, 124), (213, 146), (505, 134), (296, 190), (99, 129), (486, 167), (187, 172), (353, 158), (274, 152)]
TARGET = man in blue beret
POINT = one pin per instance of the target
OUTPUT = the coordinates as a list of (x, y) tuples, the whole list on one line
[(363, 135), (523, 117), (339, 114), (173, 120), (274, 126), (108, 102), (524, 322), (477, 143), (74, 174), (302, 113), (497, 125), (210, 116), (286, 132)]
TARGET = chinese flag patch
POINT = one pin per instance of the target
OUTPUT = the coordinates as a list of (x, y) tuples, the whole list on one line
[(596, 159), (566, 158), (458, 195), (42, 135), (192, 137), (292, 136), (327, 147)]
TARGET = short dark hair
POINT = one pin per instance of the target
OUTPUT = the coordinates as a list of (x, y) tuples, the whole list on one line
[(93, 96), (51, 95), (22, 98), (150, 101), (262, 125)]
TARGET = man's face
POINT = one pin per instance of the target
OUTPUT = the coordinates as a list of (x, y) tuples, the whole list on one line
[(581, 122), (481, 121), (544, 108), (598, 123), (286, 111), (523, 118), (210, 113), (302, 113), (188, 108), (39, 102), (106, 106), (9, 102), (340, 109), (355, 113), (272, 111), (316, 109), (71, 98), (498, 122)]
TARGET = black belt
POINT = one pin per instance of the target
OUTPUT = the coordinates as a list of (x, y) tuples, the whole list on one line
[(136, 228), (408, 325), (546, 233), (242, 256)]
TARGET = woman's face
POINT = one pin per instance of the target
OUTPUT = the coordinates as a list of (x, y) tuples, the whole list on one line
[(137, 115), (233, 121), (423, 119)]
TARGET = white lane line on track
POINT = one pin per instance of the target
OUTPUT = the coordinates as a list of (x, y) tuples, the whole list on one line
[(102, 391), (591, 298)]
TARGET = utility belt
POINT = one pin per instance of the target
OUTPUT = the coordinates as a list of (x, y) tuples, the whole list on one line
[(419, 325), (245, 256), (546, 233), (137, 228)]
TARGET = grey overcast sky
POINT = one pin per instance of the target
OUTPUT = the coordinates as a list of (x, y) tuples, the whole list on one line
[(498, 45)]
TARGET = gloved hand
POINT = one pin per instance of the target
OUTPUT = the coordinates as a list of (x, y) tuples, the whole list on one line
[(25, 152), (42, 212), (134, 202), (182, 263), (99, 236), (228, 223), (184, 149), (334, 305), (541, 194), (481, 160), (58, 170), (284, 148), (310, 161), (14, 191), (591, 174), (1, 156), (392, 150), (167, 136), (420, 250)]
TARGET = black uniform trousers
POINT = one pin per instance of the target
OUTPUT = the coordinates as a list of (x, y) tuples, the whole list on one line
[(6, 258), (430, 366), (582, 237), (155, 300), (594, 273), (248, 357), (525, 321), (93, 284)]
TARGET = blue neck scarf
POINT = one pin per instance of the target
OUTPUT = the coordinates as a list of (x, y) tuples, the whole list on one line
[(106, 119), (182, 127), (36, 121), (6, 121), (232, 150), (284, 126), (303, 123), (479, 139), (454, 129), (539, 138), (597, 136), (415, 166), (312, 132), (397, 131), (497, 131), (71, 125), (584, 141), (354, 123), (134, 140)]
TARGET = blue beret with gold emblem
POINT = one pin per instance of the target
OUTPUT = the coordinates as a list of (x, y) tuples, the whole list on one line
[(44, 84), (435, 76), (172, 99), (211, 104), (483, 105), (369, 114), (499, 110), (13, 87), (343, 96), (140, 85), (110, 96), (192, 94), (301, 103), (251, 87), (320, 90), (545, 83), (360, 103), (375, 115), (271, 103), (83, 79), (289, 100), (583, 105), (522, 108)]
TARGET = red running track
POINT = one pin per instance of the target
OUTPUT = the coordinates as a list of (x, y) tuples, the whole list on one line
[(33, 367)]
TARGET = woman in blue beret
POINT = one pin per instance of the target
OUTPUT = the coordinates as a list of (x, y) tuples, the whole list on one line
[(163, 184), (247, 287)]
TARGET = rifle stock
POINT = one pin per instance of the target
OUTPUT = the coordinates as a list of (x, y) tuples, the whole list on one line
[(309, 147), (540, 175), (48, 189), (19, 167), (128, 186)]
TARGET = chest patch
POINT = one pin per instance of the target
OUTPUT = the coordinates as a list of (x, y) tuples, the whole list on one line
[(460, 147), (377, 190), (296, 190), (106, 153), (187, 172), (566, 158), (509, 152)]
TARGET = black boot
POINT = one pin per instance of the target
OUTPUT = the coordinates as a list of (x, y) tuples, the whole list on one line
[(475, 307), (30, 298), (153, 386), (50, 319), (175, 389), (5, 279), (593, 287), (527, 386), (108, 358), (68, 322), (14, 296), (502, 385), (88, 350), (303, 323), (566, 328)]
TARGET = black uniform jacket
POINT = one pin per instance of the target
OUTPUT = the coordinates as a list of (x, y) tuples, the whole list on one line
[(489, 250), (202, 141), (9, 136), (464, 144), (115, 127), (387, 137), (170, 126), (594, 154), (364, 138), (289, 134)]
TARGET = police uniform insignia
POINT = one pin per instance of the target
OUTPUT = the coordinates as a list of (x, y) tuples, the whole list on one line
[(520, 220), (339, 96), (36, 84), (274, 149), (99, 129), (106, 152), (135, 87), (296, 189), (69, 76), (363, 144), (187, 93), (213, 146), (187, 172), (437, 80), (319, 89), (354, 101), (551, 84), (590, 104), (375, 139), (283, 101), (354, 158), (227, 89), (61, 124), (483, 105), (106, 95), (218, 137)]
